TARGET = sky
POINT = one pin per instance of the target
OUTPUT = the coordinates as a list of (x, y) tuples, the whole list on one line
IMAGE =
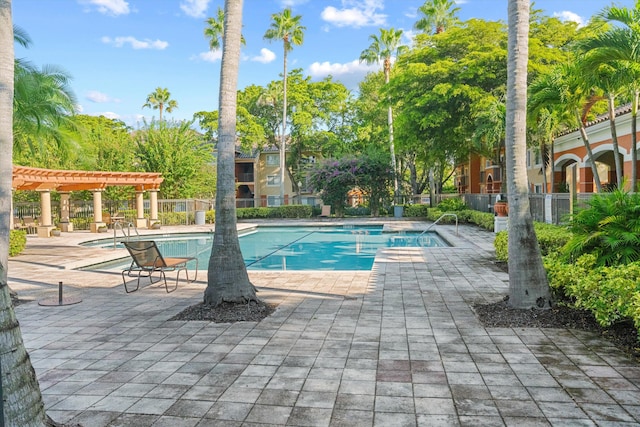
[(117, 52)]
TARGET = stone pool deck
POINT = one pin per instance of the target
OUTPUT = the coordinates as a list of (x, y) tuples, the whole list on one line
[(397, 346)]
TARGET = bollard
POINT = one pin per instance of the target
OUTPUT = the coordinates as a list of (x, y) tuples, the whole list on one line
[(60, 293)]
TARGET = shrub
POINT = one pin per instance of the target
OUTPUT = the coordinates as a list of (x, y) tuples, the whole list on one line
[(17, 242), (210, 216), (355, 211), (609, 229), (551, 238), (452, 204), (294, 211), (416, 211)]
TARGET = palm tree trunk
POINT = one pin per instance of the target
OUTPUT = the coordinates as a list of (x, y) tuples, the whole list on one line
[(552, 165), (614, 139), (283, 141), (587, 145), (21, 399), (392, 150), (634, 142), (528, 285), (227, 277)]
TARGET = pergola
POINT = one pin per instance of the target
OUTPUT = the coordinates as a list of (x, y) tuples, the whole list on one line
[(65, 181)]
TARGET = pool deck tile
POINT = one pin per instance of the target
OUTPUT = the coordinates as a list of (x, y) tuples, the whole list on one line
[(397, 346)]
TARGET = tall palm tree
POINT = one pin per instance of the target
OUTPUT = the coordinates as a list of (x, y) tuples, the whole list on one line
[(383, 49), (611, 80), (621, 44), (228, 279), (214, 31), (564, 87), (160, 99), (20, 398), (437, 15), (528, 285), (287, 28)]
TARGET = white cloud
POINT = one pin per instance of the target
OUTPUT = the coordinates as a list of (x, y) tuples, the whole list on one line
[(209, 56), (355, 13), (108, 115), (99, 97), (135, 43), (195, 8), (109, 7), (265, 56), (566, 15), (350, 73), (292, 3)]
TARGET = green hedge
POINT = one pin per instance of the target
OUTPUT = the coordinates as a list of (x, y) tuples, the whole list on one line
[(415, 211), (612, 294), (17, 242), (287, 211), (551, 238), (468, 216)]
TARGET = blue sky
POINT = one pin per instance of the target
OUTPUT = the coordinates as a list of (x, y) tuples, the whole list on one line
[(119, 51)]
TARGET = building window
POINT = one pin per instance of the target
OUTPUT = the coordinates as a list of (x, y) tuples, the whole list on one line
[(537, 188), (273, 159), (273, 201), (538, 158), (273, 180), (528, 158)]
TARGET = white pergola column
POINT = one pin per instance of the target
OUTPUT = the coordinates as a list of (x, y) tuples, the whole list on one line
[(153, 206), (45, 226), (65, 223), (97, 211), (141, 221)]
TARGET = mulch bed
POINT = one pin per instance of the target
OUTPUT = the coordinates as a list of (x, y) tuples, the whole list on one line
[(227, 312)]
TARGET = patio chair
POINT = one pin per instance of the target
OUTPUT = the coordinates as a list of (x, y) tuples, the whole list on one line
[(30, 224), (326, 211), (147, 259)]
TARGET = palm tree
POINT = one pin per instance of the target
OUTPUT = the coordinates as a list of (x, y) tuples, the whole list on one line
[(611, 80), (621, 44), (44, 105), (564, 87), (160, 100), (20, 398), (528, 285), (227, 278), (437, 15), (382, 49), (287, 28), (214, 31)]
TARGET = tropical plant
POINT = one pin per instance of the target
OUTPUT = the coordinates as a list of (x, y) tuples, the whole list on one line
[(43, 106), (228, 280), (528, 284), (180, 154), (287, 28), (436, 15), (621, 44), (214, 30), (160, 99), (21, 399), (609, 229), (383, 49)]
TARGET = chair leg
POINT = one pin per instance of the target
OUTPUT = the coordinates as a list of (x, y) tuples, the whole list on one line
[(124, 281)]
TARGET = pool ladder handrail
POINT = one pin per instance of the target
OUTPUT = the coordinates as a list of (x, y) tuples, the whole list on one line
[(120, 225), (438, 220)]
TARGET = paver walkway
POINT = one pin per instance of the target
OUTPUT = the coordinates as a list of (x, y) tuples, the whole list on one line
[(397, 346)]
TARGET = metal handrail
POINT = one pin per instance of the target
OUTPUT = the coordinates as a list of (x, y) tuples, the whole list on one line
[(438, 220), (120, 225)]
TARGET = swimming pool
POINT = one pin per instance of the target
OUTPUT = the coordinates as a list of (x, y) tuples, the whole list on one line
[(298, 248)]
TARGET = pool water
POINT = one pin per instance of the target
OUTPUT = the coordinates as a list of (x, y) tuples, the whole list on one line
[(301, 248)]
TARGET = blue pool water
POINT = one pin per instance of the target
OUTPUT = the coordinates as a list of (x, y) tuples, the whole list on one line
[(300, 248)]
